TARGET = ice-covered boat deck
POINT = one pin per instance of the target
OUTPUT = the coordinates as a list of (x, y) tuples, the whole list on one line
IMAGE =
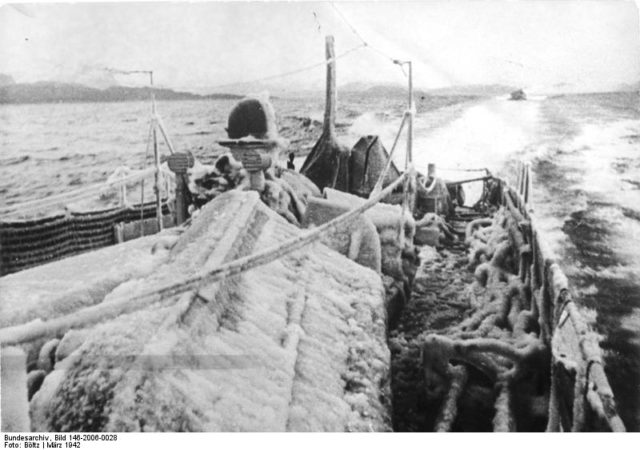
[(436, 302), (298, 344)]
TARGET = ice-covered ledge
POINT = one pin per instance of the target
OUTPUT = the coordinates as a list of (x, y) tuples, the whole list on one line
[(63, 286), (298, 344)]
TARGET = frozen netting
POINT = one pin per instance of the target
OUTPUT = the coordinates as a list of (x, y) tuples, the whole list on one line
[(28, 243), (297, 344)]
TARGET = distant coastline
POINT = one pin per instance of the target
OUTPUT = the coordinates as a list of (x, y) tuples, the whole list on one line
[(53, 92), (59, 92)]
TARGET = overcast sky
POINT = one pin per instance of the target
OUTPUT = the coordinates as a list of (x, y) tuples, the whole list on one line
[(556, 45)]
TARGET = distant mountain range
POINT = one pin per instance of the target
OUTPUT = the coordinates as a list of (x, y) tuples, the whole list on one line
[(370, 89), (57, 92), (53, 92)]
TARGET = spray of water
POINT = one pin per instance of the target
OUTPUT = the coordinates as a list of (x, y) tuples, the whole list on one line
[(486, 135)]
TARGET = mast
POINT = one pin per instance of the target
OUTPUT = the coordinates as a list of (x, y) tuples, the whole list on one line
[(328, 163), (331, 99)]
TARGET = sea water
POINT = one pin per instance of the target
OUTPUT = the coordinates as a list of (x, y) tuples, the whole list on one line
[(583, 150)]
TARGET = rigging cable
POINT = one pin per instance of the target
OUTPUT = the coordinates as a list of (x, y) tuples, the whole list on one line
[(415, 58), (292, 72), (365, 43)]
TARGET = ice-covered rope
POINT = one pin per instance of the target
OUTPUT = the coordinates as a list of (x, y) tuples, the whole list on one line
[(378, 186), (77, 194), (160, 123), (268, 77), (59, 325), (126, 72), (457, 169)]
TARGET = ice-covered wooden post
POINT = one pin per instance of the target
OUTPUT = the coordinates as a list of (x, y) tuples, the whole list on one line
[(328, 163), (179, 163), (156, 156), (13, 385), (412, 113), (410, 185), (332, 96)]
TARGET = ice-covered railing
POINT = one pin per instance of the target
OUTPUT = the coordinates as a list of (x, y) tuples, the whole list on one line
[(118, 182), (34, 241), (581, 398), (26, 243)]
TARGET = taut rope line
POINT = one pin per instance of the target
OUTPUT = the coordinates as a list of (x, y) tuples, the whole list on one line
[(292, 72)]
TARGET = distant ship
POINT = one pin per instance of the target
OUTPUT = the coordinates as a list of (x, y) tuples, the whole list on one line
[(518, 95)]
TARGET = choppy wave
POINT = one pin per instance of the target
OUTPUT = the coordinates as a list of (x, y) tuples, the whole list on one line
[(588, 197), (15, 160)]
